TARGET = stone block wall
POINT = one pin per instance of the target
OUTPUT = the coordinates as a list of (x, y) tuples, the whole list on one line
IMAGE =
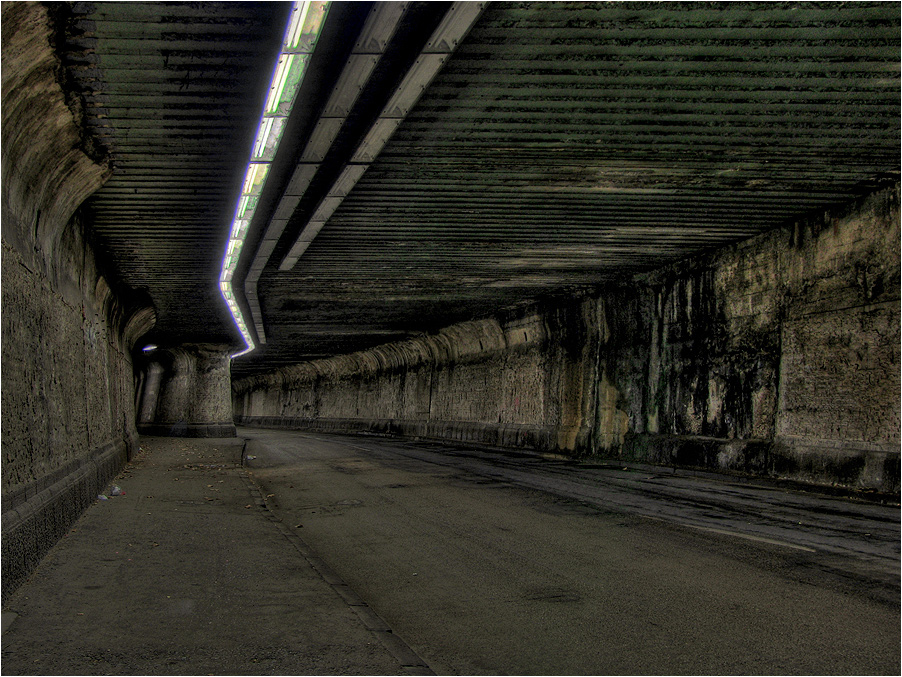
[(777, 356), (68, 383)]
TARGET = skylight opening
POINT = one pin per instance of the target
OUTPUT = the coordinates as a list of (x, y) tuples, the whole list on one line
[(300, 38)]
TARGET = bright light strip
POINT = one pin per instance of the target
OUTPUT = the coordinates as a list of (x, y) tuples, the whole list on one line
[(246, 207), (295, 27), (279, 82), (263, 136), (239, 229), (268, 137), (286, 81), (255, 177)]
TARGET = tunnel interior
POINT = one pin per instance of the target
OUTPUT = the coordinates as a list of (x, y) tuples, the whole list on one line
[(656, 232)]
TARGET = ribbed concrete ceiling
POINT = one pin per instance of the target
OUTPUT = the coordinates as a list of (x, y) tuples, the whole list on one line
[(173, 91), (569, 144), (562, 145)]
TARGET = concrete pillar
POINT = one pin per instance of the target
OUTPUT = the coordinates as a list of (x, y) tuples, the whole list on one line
[(188, 393), (150, 393), (211, 391), (175, 390)]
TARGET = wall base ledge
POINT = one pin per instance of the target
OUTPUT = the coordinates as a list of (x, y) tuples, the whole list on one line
[(187, 429), (539, 438), (832, 463), (36, 516)]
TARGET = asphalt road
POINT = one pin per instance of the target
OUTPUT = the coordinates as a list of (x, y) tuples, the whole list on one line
[(497, 562)]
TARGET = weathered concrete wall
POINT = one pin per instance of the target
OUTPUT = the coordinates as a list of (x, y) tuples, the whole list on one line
[(778, 356), (526, 381), (68, 383), (187, 392)]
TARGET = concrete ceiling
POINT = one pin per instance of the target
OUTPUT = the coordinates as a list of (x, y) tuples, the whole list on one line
[(561, 145), (172, 91)]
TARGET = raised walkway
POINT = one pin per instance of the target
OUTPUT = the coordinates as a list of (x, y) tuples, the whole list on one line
[(190, 573)]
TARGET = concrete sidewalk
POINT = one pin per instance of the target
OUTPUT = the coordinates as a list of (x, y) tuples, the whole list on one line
[(189, 573)]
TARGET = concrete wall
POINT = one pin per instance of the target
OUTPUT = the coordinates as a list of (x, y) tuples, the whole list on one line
[(523, 381), (68, 384), (778, 356)]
